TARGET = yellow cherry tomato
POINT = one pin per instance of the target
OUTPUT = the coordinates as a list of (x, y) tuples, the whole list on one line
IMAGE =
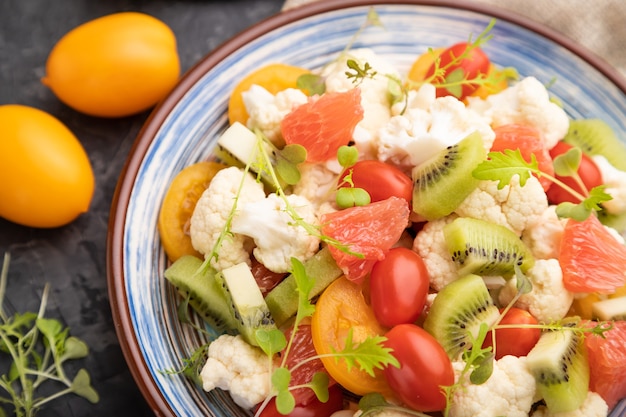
[(272, 77), (114, 66), (343, 307), (178, 205), (47, 179)]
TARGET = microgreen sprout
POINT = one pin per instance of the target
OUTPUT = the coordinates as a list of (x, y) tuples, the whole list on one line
[(315, 83), (39, 347), (502, 166), (347, 194)]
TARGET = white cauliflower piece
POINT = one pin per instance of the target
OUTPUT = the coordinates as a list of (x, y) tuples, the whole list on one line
[(238, 367), (211, 214), (419, 133), (543, 237), (594, 406), (374, 91), (526, 102), (615, 181), (266, 111), (430, 244), (509, 391), (276, 236), (513, 206), (317, 183), (548, 300)]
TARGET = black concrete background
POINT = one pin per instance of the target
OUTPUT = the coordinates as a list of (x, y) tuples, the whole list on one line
[(72, 258)]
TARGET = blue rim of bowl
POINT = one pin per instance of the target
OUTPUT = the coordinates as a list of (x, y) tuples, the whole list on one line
[(115, 276)]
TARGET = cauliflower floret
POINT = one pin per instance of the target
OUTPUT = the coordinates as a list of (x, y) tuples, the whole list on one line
[(509, 391), (526, 102), (514, 206), (317, 183), (211, 214), (266, 110), (615, 181), (276, 236), (594, 406), (543, 236), (239, 368), (374, 91), (430, 244), (548, 300), (419, 133)]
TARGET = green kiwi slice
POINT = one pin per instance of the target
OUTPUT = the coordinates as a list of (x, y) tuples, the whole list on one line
[(561, 369), (458, 311), (596, 137), (203, 290), (484, 248), (246, 301), (443, 181)]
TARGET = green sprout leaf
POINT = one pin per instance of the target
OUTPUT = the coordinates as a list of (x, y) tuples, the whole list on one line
[(347, 156), (304, 284), (271, 341), (368, 355), (502, 166), (319, 385), (312, 83), (81, 385), (285, 402), (566, 164), (352, 197)]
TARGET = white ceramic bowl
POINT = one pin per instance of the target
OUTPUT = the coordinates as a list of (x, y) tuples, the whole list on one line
[(183, 129)]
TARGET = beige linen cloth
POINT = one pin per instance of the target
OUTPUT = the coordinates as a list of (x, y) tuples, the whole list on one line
[(598, 25)]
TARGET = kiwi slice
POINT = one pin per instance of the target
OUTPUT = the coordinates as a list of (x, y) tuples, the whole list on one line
[(561, 369), (484, 248), (282, 300), (458, 311), (203, 291), (595, 137), (443, 181), (246, 301), (238, 146)]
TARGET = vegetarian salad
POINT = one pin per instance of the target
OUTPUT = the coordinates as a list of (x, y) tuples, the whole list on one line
[(368, 242)]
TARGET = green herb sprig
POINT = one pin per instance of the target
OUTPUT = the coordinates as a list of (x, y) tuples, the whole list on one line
[(502, 166), (38, 348)]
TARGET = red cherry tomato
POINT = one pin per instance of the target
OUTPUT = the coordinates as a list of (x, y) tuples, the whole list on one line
[(398, 287), (313, 408), (380, 180), (588, 171), (424, 368), (514, 341), (469, 67)]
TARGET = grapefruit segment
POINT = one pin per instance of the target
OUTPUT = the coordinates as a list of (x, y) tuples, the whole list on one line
[(530, 142), (324, 123), (591, 258), (607, 363), (367, 231)]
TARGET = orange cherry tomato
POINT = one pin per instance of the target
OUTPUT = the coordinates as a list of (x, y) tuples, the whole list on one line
[(178, 205), (114, 66), (273, 77), (341, 308), (46, 176)]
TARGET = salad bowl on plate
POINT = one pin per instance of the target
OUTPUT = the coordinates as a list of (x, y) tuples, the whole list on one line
[(184, 129)]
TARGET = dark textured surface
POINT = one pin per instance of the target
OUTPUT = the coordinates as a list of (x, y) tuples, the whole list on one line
[(72, 258)]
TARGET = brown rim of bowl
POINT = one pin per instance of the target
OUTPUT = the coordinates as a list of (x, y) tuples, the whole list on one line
[(115, 278)]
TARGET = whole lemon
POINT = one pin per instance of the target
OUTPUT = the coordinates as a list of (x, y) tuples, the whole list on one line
[(114, 66), (46, 178)]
